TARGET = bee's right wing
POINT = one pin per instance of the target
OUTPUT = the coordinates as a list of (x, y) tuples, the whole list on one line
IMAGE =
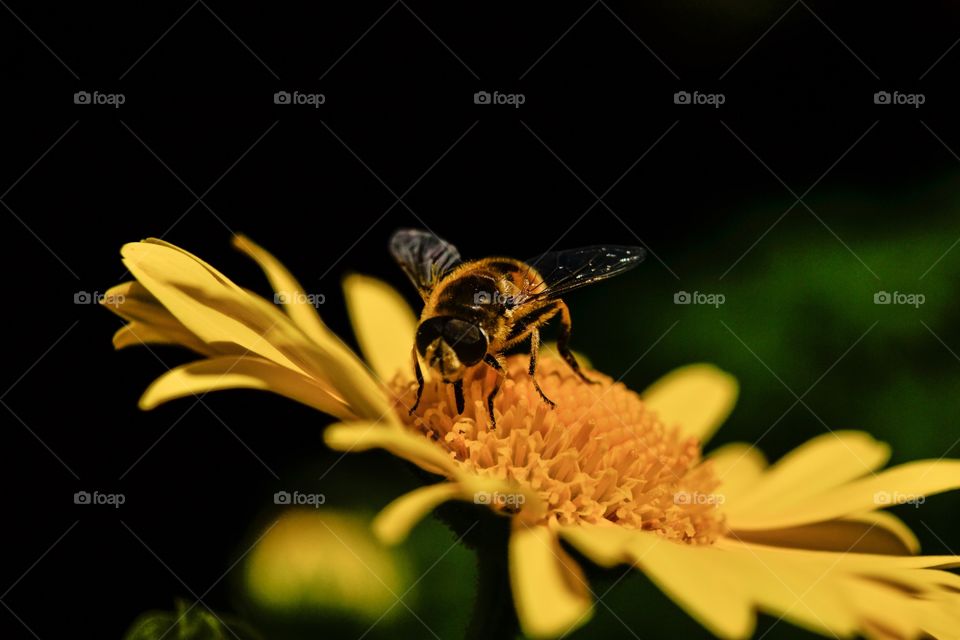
[(564, 271), (424, 257)]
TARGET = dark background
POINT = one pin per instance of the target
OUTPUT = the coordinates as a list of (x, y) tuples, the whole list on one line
[(598, 152)]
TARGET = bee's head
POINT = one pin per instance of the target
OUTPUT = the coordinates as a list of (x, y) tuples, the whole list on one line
[(450, 345)]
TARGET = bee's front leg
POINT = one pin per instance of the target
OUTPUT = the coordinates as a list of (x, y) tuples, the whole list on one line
[(534, 350), (498, 364), (563, 343), (458, 395), (419, 374)]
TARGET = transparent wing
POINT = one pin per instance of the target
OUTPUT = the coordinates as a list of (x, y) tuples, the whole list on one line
[(563, 271), (424, 257)]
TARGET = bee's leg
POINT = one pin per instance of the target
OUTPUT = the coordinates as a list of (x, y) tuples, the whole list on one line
[(534, 350), (419, 374), (497, 364), (563, 343), (458, 395)]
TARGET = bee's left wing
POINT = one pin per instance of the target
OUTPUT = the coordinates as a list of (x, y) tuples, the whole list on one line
[(563, 271), (424, 257)]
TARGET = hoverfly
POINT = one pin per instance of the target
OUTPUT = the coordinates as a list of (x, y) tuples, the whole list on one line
[(476, 310)]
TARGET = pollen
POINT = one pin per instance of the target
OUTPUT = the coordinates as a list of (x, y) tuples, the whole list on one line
[(600, 457)]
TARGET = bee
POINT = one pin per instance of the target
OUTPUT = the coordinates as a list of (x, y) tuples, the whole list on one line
[(474, 311)]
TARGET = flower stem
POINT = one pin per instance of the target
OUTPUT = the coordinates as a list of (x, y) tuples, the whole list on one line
[(494, 616)]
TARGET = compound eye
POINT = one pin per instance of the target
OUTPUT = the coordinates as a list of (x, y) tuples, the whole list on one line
[(467, 341), (428, 332)]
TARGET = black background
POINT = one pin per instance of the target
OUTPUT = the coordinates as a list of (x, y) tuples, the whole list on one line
[(199, 149)]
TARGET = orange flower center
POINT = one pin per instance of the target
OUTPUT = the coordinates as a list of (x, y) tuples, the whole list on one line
[(599, 457)]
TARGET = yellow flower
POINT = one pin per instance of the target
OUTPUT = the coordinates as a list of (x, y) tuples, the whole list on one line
[(618, 476)]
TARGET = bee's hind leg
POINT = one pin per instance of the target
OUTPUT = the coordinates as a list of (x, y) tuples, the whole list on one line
[(563, 343), (497, 363), (534, 350)]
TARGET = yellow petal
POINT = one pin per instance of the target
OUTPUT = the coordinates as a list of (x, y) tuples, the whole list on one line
[(383, 323), (814, 467), (393, 524), (892, 525), (549, 590), (697, 397), (876, 532), (606, 546), (700, 579), (243, 372), (222, 314), (136, 333), (845, 593), (210, 307), (152, 322), (295, 301), (836, 594), (362, 436), (738, 466), (910, 482)]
